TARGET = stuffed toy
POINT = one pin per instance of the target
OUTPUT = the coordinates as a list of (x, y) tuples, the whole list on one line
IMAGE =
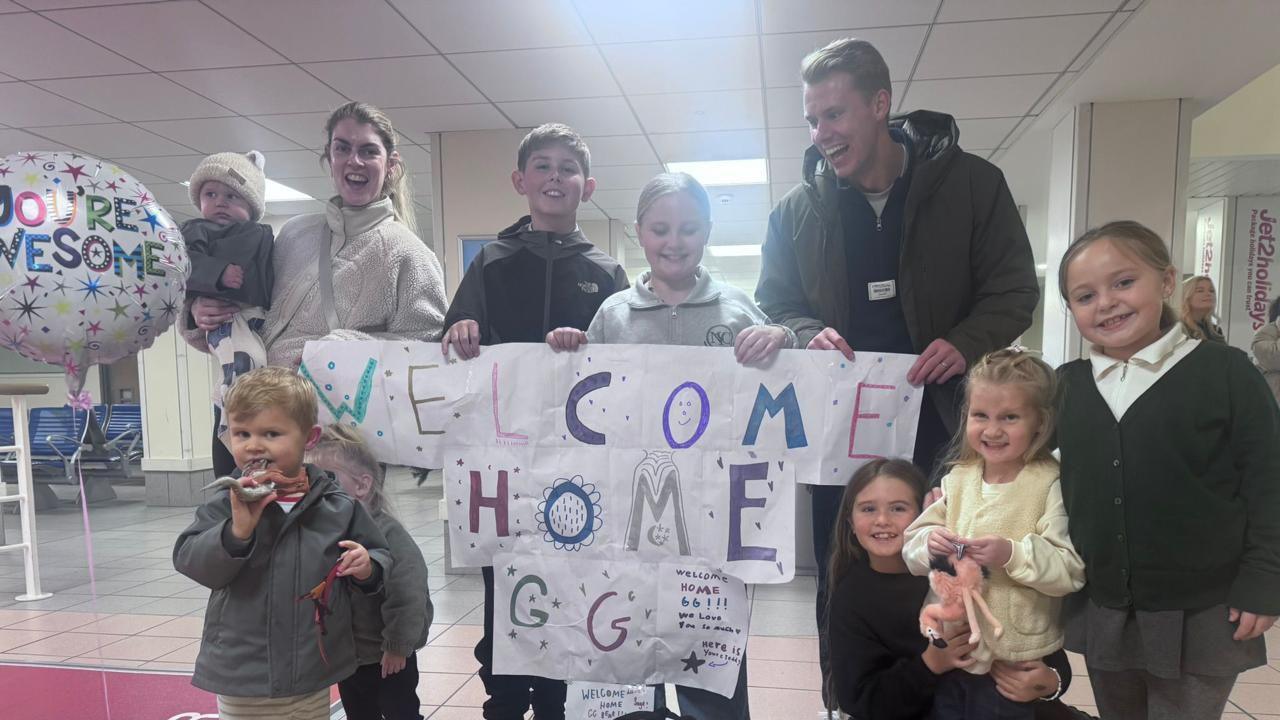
[(958, 582)]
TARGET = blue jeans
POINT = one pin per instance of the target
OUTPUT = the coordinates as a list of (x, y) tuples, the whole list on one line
[(702, 704)]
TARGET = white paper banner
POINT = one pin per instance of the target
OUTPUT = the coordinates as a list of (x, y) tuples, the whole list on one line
[(826, 415), (605, 701), (623, 493), (623, 622)]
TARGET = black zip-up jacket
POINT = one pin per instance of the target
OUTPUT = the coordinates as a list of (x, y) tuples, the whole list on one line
[(965, 268), (212, 247), (527, 282)]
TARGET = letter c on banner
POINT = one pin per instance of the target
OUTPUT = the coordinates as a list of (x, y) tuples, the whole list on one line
[(588, 384), (616, 625), (540, 617), (703, 417)]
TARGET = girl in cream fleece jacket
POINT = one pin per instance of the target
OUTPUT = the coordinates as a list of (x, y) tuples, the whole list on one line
[(1002, 506)]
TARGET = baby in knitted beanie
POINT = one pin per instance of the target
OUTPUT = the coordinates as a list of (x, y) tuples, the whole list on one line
[(230, 255)]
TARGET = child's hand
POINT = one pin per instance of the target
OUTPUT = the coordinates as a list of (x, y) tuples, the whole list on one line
[(954, 655), (758, 343), (931, 497), (989, 550), (355, 561), (232, 277), (245, 516), (465, 338), (1250, 625), (1024, 681), (942, 542), (391, 664), (566, 338)]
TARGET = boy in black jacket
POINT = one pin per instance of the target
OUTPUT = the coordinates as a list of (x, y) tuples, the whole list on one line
[(539, 274), (230, 255)]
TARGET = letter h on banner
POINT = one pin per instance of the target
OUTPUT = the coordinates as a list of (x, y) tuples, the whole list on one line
[(497, 502)]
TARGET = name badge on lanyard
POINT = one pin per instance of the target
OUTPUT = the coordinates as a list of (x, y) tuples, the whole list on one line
[(883, 290)]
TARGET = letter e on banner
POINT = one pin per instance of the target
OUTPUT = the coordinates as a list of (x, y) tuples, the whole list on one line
[(738, 500), (858, 414)]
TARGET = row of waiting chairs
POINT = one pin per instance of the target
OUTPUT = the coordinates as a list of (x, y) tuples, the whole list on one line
[(62, 438)]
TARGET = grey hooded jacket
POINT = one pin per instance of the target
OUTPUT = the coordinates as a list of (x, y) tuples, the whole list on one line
[(260, 639), (712, 315)]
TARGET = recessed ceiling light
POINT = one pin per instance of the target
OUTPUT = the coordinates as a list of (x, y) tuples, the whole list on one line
[(725, 172), (733, 250)]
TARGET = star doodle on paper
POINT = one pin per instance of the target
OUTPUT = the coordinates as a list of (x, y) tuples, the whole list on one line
[(32, 282), (140, 291), (516, 470), (511, 570), (120, 310), (516, 496), (169, 308), (114, 185), (512, 634), (142, 197), (555, 603), (457, 415), (95, 328), (693, 662), (95, 186), (5, 171), (459, 462), (31, 158), (542, 644), (458, 503), (533, 599)]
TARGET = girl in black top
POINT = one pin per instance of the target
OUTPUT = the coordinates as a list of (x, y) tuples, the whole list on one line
[(881, 666)]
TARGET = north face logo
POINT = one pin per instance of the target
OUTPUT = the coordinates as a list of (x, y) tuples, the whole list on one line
[(588, 287)]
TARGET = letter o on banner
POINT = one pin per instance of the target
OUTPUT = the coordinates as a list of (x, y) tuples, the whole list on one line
[(704, 415)]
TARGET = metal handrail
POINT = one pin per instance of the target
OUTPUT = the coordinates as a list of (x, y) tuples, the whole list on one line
[(24, 498)]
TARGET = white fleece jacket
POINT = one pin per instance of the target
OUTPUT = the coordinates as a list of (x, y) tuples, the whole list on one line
[(387, 283)]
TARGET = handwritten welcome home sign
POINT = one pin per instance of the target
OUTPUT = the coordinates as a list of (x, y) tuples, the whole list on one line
[(622, 493)]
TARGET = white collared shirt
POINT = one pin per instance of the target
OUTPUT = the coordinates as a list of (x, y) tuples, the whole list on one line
[(1122, 382)]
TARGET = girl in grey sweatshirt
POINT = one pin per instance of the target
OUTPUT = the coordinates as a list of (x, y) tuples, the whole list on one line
[(676, 302)]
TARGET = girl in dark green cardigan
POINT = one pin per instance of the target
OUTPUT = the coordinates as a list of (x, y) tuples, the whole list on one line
[(1171, 477)]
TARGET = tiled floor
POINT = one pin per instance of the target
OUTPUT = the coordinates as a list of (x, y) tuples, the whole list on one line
[(148, 616)]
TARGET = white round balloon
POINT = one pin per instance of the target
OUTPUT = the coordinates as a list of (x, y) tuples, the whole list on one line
[(94, 269)]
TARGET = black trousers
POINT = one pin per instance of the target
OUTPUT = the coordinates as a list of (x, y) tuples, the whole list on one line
[(367, 695), (511, 695), (931, 440), (961, 695)]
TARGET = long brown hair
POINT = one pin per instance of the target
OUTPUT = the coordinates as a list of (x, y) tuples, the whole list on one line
[(396, 185), (845, 550), (1134, 238)]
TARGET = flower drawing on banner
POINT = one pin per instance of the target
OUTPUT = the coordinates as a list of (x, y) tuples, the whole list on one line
[(569, 514)]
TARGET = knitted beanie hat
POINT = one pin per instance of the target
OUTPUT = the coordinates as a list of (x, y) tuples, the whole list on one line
[(240, 172)]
